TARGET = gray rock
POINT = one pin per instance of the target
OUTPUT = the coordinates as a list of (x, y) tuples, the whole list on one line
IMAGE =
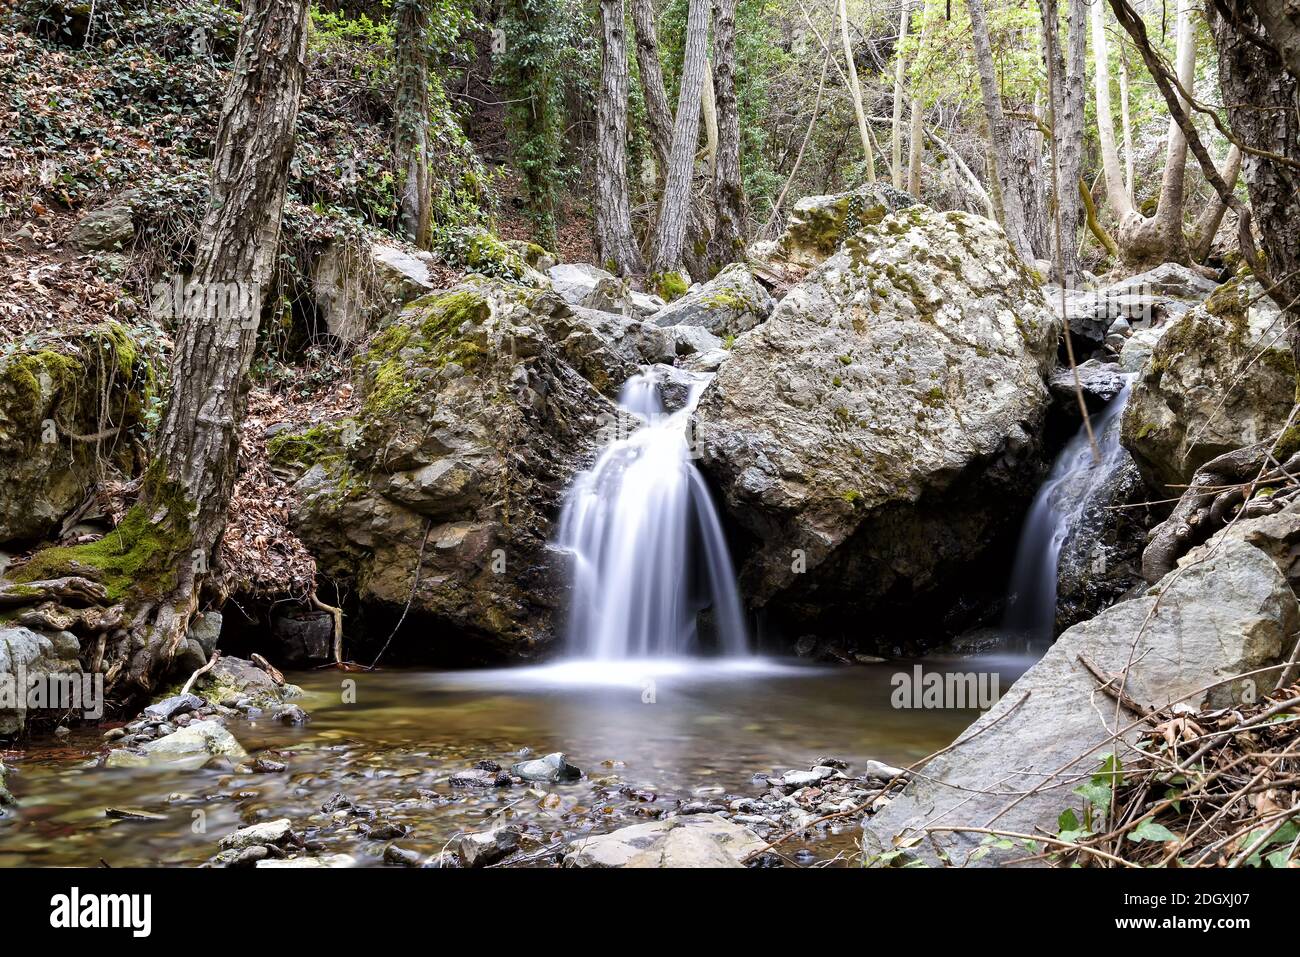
[(111, 226), (1220, 378), (1230, 613), (276, 832), (479, 778), (38, 656), (169, 708), (356, 289), (329, 860), (686, 847), (482, 848), (621, 847), (551, 768), (803, 779), (689, 340), (6, 799), (860, 433), (1100, 382), (819, 225), (193, 745), (122, 758), (710, 361), (730, 303), (581, 284)]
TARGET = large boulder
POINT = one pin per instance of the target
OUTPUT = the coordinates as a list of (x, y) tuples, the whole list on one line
[(607, 348), (1220, 378), (1230, 613), (588, 286), (1143, 301), (730, 303), (68, 408), (37, 659), (877, 433), (442, 494), (357, 287)]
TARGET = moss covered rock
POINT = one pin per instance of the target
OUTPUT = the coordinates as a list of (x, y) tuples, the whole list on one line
[(71, 409), (730, 303), (472, 424), (819, 225), (1219, 378), (877, 433)]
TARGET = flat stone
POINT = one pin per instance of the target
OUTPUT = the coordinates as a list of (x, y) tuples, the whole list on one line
[(257, 835), (481, 848), (194, 745), (618, 848), (553, 767)]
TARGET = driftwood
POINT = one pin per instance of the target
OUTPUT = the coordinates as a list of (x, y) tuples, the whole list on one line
[(71, 589)]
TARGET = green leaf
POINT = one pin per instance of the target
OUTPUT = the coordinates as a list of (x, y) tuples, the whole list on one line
[(1068, 821), (1149, 830)]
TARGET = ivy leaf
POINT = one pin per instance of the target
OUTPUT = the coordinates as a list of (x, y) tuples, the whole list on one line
[(1149, 830)]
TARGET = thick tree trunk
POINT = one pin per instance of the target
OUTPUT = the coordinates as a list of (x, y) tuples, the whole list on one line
[(411, 118), (1008, 192), (855, 90), (1117, 193), (675, 207), (615, 245), (1126, 121), (659, 114), (728, 193), (1146, 241), (1261, 88), (1211, 218), (189, 482)]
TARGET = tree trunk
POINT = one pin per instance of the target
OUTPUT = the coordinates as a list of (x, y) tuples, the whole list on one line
[(728, 193), (896, 125), (916, 140), (1116, 185), (709, 118), (411, 118), (1261, 90), (1008, 192), (615, 245), (1126, 119), (188, 484), (1066, 78), (855, 90), (1147, 241), (675, 207), (659, 114), (1208, 223)]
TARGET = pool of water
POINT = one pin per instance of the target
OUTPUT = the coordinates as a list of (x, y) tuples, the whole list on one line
[(647, 735)]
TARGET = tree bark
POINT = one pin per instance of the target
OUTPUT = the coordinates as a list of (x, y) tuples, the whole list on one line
[(675, 207), (855, 90), (659, 114), (1066, 78), (1126, 119), (189, 482), (411, 118), (916, 139), (1208, 223), (1116, 185), (728, 193), (615, 245), (896, 124), (1009, 198)]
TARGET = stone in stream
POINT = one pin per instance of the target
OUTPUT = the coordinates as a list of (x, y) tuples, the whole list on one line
[(685, 847), (619, 848), (6, 799), (861, 434), (193, 745), (329, 860), (554, 767), (802, 779), (481, 848), (1228, 613), (169, 708), (278, 832), (479, 778)]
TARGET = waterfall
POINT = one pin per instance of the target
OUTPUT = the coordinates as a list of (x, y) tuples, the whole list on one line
[(1058, 508), (646, 543)]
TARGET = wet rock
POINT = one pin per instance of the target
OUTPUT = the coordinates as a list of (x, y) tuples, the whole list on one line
[(122, 758), (6, 799), (482, 848), (859, 435), (292, 715), (1231, 613), (169, 708), (618, 848), (1100, 382), (554, 767), (194, 745), (132, 814), (38, 656), (266, 766), (401, 856), (328, 860), (245, 686), (278, 832), (730, 303), (685, 847), (800, 779), (477, 778), (1220, 378)]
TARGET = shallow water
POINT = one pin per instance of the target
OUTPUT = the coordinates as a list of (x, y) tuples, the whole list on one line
[(670, 730)]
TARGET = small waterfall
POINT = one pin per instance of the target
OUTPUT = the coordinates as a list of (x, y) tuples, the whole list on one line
[(647, 545), (1057, 510)]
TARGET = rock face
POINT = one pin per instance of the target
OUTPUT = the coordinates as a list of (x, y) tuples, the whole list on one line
[(356, 289), (66, 410), (707, 840), (1146, 300), (861, 433), (1230, 613), (443, 493), (35, 656), (581, 284), (730, 303), (1220, 378), (819, 225)]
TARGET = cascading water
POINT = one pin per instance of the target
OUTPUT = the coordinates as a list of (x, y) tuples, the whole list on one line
[(1057, 511), (648, 550)]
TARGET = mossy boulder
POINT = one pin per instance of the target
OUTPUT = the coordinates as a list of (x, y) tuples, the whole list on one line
[(819, 225), (443, 491), (1219, 378), (730, 303), (72, 410), (875, 436)]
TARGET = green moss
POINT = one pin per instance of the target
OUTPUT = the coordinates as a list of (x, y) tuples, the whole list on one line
[(489, 256), (140, 558), (27, 372), (305, 449), (1288, 443), (668, 285), (933, 398), (853, 497), (846, 360)]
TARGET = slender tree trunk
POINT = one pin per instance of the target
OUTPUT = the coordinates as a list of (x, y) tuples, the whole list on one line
[(189, 482), (1008, 193), (1208, 223), (1116, 185), (411, 118), (675, 207), (1066, 68), (659, 114), (855, 90), (916, 139), (896, 127), (728, 193), (709, 118), (615, 245), (1126, 120)]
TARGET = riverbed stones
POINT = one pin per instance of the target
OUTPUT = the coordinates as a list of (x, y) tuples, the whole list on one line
[(482, 848), (860, 435), (194, 745), (1222, 377), (621, 847), (1230, 613), (279, 832), (175, 705), (547, 770)]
